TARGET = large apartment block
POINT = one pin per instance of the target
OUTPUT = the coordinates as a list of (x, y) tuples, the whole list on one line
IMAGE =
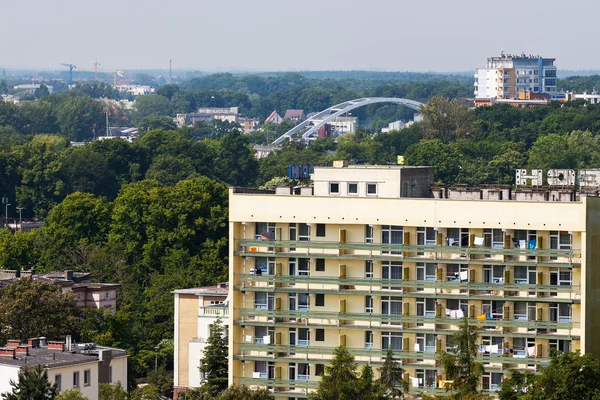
[(515, 76), (363, 258)]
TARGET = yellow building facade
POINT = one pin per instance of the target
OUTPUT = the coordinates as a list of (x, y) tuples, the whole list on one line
[(314, 271)]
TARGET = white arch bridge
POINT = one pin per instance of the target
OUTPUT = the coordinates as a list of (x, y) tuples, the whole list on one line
[(335, 111)]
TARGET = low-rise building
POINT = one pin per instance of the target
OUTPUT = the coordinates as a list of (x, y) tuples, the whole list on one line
[(136, 90), (274, 118), (196, 310), (32, 87), (207, 114), (70, 365), (295, 115), (87, 293)]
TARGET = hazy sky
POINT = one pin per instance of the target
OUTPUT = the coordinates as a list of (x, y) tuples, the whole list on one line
[(397, 35)]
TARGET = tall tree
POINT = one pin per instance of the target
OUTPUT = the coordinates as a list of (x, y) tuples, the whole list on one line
[(114, 391), (460, 365), (54, 315), (570, 376), (32, 384), (340, 380), (73, 394), (215, 361), (391, 376)]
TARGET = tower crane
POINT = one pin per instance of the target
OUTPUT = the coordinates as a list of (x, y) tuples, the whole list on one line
[(71, 68), (116, 73)]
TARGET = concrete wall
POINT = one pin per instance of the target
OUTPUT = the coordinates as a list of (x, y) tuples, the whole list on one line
[(66, 372), (187, 328)]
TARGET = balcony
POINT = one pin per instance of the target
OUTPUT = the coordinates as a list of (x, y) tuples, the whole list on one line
[(496, 358), (385, 252), (380, 287), (215, 310), (410, 319)]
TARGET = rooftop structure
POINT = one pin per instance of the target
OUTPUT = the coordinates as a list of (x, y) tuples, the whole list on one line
[(507, 76), (274, 118), (207, 114), (367, 259), (196, 310), (294, 115), (70, 365)]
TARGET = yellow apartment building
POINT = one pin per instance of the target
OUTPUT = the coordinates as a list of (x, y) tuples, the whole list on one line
[(363, 258)]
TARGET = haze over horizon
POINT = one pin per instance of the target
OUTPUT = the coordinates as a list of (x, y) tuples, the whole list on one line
[(269, 35)]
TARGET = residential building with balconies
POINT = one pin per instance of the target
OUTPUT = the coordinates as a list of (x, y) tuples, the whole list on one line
[(513, 76), (364, 259)]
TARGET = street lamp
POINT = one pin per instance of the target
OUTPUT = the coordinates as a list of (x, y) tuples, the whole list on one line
[(6, 214), (20, 219)]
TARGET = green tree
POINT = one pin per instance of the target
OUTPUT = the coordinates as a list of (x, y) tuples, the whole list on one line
[(569, 376), (41, 92), (148, 392), (235, 160), (460, 365), (152, 104), (215, 361), (17, 250), (54, 315), (114, 391), (32, 384), (340, 380), (80, 117), (79, 220), (391, 376), (243, 393), (153, 122), (73, 394)]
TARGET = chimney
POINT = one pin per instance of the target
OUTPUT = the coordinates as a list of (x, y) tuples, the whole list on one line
[(68, 343), (23, 349), (7, 352), (56, 345), (340, 164), (34, 342), (68, 275), (13, 343), (43, 341)]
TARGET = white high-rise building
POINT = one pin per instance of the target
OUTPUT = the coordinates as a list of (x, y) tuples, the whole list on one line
[(513, 76)]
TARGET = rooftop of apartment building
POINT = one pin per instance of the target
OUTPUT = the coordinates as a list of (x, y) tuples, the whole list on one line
[(396, 181), (215, 290), (54, 353)]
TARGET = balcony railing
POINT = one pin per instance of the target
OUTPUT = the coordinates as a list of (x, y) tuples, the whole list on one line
[(248, 247), (215, 310), (379, 353), (407, 284), (410, 319)]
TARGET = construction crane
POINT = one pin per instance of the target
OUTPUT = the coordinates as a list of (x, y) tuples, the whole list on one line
[(115, 74), (71, 68)]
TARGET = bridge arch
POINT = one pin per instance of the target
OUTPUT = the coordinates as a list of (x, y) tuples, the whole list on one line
[(335, 111)]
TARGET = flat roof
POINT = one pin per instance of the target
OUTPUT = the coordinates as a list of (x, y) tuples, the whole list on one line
[(53, 358), (210, 290)]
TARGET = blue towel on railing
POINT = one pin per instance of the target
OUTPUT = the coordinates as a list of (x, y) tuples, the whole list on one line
[(532, 245)]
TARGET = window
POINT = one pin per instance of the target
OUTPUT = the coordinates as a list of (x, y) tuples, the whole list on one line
[(391, 339), (58, 380), (368, 304), (334, 188), (525, 275), (371, 189), (264, 231), (425, 307), (303, 337), (391, 235), (368, 233), (560, 277), (87, 377), (425, 237), (426, 271), (457, 237), (260, 370), (320, 265), (491, 381), (425, 342), (493, 238), (391, 270), (260, 301), (320, 300), (319, 369), (261, 334), (368, 339), (369, 269), (391, 306), (303, 372), (352, 188), (560, 345), (320, 335), (560, 241), (493, 274), (494, 309), (321, 230), (76, 379), (456, 272), (107, 295), (303, 232), (303, 302)]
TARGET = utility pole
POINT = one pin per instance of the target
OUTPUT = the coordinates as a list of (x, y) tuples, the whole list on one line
[(5, 201), (96, 65), (20, 219)]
